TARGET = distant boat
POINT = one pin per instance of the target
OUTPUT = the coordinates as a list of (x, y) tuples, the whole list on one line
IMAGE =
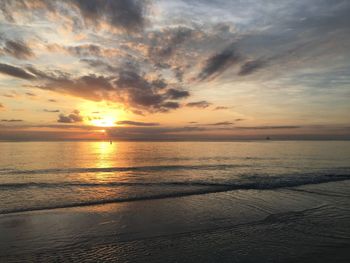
[(110, 142), (268, 138)]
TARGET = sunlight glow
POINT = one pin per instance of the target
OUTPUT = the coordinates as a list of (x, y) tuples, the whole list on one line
[(104, 121), (101, 114)]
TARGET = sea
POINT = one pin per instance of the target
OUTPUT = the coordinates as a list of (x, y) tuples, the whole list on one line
[(242, 201)]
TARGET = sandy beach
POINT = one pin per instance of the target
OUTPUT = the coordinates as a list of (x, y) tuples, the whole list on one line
[(302, 224)]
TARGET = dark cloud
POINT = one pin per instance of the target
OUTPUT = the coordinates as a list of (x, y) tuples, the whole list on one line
[(224, 123), (151, 133), (170, 105), (161, 65), (137, 123), (2, 106), (179, 73), (52, 100), (250, 67), (159, 83), (127, 86), (138, 89), (52, 111), (165, 43), (149, 95), (90, 87), (11, 120), (239, 119), (99, 64), (218, 63), (15, 71), (124, 14), (17, 49), (221, 108), (85, 50), (199, 104), (269, 127), (70, 118), (30, 94), (177, 94), (138, 112), (88, 50)]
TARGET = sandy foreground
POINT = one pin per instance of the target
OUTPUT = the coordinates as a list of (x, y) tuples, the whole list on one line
[(302, 224)]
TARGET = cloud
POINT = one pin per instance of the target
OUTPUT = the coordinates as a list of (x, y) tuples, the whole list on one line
[(170, 105), (86, 50), (250, 67), (138, 112), (52, 100), (199, 104), (149, 95), (152, 133), (91, 87), (130, 80), (165, 43), (127, 86), (2, 106), (30, 94), (7, 95), (11, 120), (179, 73), (52, 111), (123, 14), (99, 64), (177, 94), (269, 127), (218, 63), (239, 119), (224, 123), (15, 72), (137, 123), (221, 108), (17, 49), (71, 118)]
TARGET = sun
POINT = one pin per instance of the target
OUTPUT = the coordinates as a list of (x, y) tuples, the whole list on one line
[(101, 114), (104, 121)]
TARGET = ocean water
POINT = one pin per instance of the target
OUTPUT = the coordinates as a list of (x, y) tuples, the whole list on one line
[(113, 196), (37, 175)]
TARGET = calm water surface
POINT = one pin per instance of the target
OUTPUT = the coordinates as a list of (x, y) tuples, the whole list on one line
[(43, 175)]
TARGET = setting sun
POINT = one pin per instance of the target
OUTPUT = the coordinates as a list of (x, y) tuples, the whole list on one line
[(104, 121), (101, 114)]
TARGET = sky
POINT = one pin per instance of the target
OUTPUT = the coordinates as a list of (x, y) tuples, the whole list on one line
[(174, 70)]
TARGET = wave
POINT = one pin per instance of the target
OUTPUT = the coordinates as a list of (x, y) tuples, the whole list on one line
[(254, 182), (207, 188), (127, 169), (106, 184)]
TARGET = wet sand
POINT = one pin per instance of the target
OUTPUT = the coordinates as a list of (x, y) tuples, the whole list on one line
[(309, 223)]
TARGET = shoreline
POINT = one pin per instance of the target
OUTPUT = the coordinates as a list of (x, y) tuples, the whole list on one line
[(160, 229)]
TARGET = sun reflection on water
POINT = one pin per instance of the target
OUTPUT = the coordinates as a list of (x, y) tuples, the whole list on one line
[(105, 154)]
